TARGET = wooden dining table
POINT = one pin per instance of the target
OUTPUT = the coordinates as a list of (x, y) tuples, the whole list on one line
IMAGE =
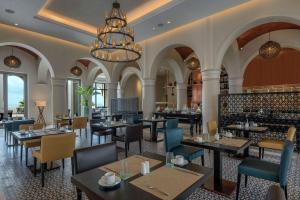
[(87, 182), (236, 145), (247, 130)]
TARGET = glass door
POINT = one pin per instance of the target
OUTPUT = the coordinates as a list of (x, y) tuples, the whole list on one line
[(13, 98), (73, 98)]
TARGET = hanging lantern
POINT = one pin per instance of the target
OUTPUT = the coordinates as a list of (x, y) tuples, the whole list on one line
[(270, 49), (77, 71), (193, 63), (12, 61)]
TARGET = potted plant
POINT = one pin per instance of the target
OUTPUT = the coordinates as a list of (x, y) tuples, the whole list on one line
[(86, 93)]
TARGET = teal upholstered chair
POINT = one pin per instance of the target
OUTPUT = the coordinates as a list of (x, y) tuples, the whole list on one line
[(170, 124), (173, 139), (267, 170), (137, 119)]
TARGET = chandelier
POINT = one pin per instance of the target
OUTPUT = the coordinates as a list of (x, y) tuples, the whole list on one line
[(115, 41), (76, 71), (270, 49), (192, 63), (12, 61)]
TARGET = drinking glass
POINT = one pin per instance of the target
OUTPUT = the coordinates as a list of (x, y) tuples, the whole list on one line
[(169, 157), (124, 169)]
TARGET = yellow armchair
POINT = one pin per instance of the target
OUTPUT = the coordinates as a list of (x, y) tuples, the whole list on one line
[(80, 123), (275, 144), (54, 147)]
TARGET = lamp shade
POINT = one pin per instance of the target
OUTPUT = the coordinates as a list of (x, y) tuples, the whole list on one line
[(40, 103)]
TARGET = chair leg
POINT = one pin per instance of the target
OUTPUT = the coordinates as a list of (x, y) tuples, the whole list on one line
[(21, 157), (72, 165), (259, 153), (140, 144), (202, 160), (34, 166), (86, 133), (126, 149), (99, 138), (43, 174), (80, 132), (246, 180), (63, 163), (285, 192), (238, 186), (91, 139), (26, 156), (79, 194), (263, 153)]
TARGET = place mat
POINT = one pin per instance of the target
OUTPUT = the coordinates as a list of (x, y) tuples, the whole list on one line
[(231, 142), (133, 163), (167, 183)]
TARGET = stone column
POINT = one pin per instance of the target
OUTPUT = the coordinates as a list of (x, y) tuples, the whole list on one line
[(235, 85), (112, 90), (148, 99), (210, 92), (181, 95)]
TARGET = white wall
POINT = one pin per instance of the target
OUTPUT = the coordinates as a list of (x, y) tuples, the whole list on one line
[(133, 88), (35, 90)]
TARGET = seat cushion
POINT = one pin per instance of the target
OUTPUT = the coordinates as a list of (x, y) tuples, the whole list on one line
[(32, 143), (271, 144), (260, 169), (189, 152), (37, 154)]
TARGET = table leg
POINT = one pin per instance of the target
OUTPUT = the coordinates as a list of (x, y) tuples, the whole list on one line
[(192, 129), (217, 184)]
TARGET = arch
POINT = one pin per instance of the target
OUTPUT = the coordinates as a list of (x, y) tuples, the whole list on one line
[(246, 26), (119, 67), (127, 73), (93, 72), (160, 55), (42, 68)]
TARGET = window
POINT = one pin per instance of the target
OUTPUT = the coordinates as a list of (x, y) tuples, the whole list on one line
[(73, 98), (99, 95)]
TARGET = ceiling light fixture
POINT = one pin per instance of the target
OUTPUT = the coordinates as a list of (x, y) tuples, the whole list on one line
[(115, 41), (9, 11), (270, 49), (192, 63), (12, 61), (16, 24), (76, 71)]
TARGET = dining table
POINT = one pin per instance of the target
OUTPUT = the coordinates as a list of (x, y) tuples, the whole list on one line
[(161, 183), (153, 133), (246, 130), (20, 137), (230, 145)]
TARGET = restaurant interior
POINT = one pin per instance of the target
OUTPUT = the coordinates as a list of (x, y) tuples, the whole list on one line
[(150, 99)]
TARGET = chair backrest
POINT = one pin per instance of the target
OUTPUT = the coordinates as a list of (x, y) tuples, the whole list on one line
[(291, 133), (79, 122), (212, 127), (172, 123), (286, 157), (134, 132), (56, 147), (173, 138), (95, 156), (95, 125), (25, 127)]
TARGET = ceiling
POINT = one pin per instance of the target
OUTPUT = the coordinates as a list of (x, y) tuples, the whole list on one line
[(184, 52), (257, 31), (76, 20)]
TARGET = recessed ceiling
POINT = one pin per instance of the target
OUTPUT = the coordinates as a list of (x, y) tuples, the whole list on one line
[(184, 52), (257, 31), (75, 20)]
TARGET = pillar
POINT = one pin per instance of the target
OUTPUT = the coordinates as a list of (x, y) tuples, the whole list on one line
[(148, 99), (235, 85), (181, 95), (210, 92), (112, 90), (59, 96)]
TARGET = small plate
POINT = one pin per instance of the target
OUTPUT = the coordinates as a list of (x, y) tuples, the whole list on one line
[(102, 183), (184, 163)]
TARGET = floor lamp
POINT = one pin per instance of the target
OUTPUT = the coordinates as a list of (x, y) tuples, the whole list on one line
[(41, 105)]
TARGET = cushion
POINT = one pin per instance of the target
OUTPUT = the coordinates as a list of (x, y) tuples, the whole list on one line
[(271, 144), (260, 169), (189, 152), (32, 143)]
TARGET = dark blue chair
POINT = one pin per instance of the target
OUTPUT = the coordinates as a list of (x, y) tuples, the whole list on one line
[(169, 124), (173, 139), (267, 170)]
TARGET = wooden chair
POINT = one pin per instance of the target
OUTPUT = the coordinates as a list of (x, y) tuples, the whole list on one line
[(212, 127), (29, 143), (275, 144), (54, 147), (80, 123)]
